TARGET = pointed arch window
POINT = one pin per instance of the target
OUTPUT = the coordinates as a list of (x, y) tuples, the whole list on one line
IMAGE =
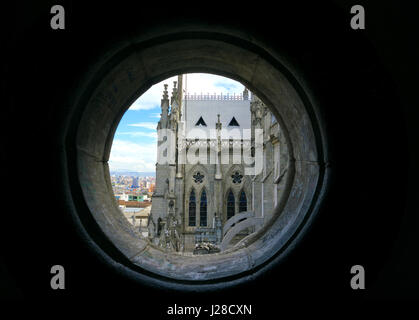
[(234, 123), (200, 122), (192, 209), (242, 202), (203, 210), (230, 205)]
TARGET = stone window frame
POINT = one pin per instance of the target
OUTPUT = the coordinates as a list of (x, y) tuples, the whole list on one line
[(198, 187), (225, 203), (204, 189), (236, 191), (189, 206), (239, 201)]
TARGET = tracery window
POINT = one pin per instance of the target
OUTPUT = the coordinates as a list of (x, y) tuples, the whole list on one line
[(192, 209), (230, 205), (242, 202), (203, 210)]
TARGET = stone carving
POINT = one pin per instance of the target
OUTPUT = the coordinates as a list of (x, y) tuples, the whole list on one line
[(237, 177), (198, 177)]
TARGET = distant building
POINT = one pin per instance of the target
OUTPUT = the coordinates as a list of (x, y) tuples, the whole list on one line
[(135, 182), (131, 197)]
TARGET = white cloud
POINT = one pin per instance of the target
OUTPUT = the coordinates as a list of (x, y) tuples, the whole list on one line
[(147, 125), (209, 83), (143, 105), (140, 134), (139, 157)]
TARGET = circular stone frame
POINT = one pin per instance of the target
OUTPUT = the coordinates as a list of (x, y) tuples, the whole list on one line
[(126, 72)]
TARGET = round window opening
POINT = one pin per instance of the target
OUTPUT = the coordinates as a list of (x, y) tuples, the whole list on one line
[(197, 173), (202, 188)]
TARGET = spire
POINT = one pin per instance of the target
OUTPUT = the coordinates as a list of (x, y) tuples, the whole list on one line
[(218, 124), (256, 108), (245, 94), (165, 93), (180, 88), (164, 108), (174, 93), (165, 99)]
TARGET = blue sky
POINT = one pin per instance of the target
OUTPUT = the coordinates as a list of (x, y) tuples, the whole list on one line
[(135, 142)]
